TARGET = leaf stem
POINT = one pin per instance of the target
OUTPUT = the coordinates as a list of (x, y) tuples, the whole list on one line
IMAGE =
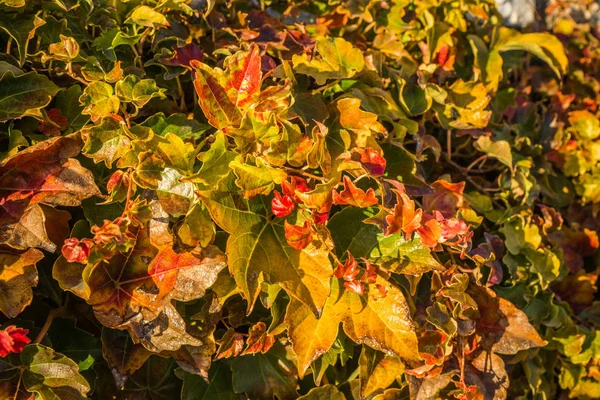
[(9, 44), (325, 87)]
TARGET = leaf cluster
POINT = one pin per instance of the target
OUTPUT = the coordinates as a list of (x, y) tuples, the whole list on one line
[(334, 199)]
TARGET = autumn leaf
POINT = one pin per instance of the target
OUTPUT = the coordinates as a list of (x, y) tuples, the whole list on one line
[(117, 288), (258, 251), (383, 324), (299, 237), (18, 275), (446, 198), (353, 196), (338, 60), (404, 217)]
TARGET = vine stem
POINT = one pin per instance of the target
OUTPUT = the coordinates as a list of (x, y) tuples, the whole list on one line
[(46, 326), (307, 174)]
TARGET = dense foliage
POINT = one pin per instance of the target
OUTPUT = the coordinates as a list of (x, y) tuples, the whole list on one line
[(326, 199)]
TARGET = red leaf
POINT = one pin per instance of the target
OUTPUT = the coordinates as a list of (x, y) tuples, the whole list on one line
[(372, 161), (370, 275), (404, 217), (184, 55), (13, 340), (296, 184), (320, 218), (355, 286), (212, 97), (349, 270), (298, 236), (447, 198), (244, 76), (443, 55), (281, 206), (353, 196), (77, 251), (56, 124)]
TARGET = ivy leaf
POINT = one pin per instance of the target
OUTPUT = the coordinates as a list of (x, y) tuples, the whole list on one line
[(108, 141), (377, 371), (24, 95), (338, 60), (499, 149), (135, 291), (23, 227), (351, 234), (122, 356), (51, 375), (99, 100), (18, 274), (242, 76), (22, 30), (258, 250), (353, 196), (215, 162), (259, 179), (146, 16), (401, 256), (266, 375), (465, 107), (62, 181), (381, 323), (178, 124), (505, 328), (138, 91)]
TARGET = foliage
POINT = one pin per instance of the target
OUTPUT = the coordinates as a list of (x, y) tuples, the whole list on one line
[(296, 199)]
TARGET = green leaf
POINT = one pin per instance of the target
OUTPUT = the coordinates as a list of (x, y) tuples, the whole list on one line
[(21, 29), (259, 179), (215, 162), (218, 387), (350, 232), (138, 91), (258, 251), (99, 100), (107, 142), (403, 257), (51, 375), (24, 95), (338, 60), (146, 16), (499, 149), (263, 376)]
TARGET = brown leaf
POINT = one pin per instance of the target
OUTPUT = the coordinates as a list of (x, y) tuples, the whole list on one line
[(259, 340), (135, 290), (18, 274), (231, 345), (503, 327), (447, 198)]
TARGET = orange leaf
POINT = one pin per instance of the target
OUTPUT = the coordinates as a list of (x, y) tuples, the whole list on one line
[(298, 236), (259, 340), (353, 196), (404, 217)]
